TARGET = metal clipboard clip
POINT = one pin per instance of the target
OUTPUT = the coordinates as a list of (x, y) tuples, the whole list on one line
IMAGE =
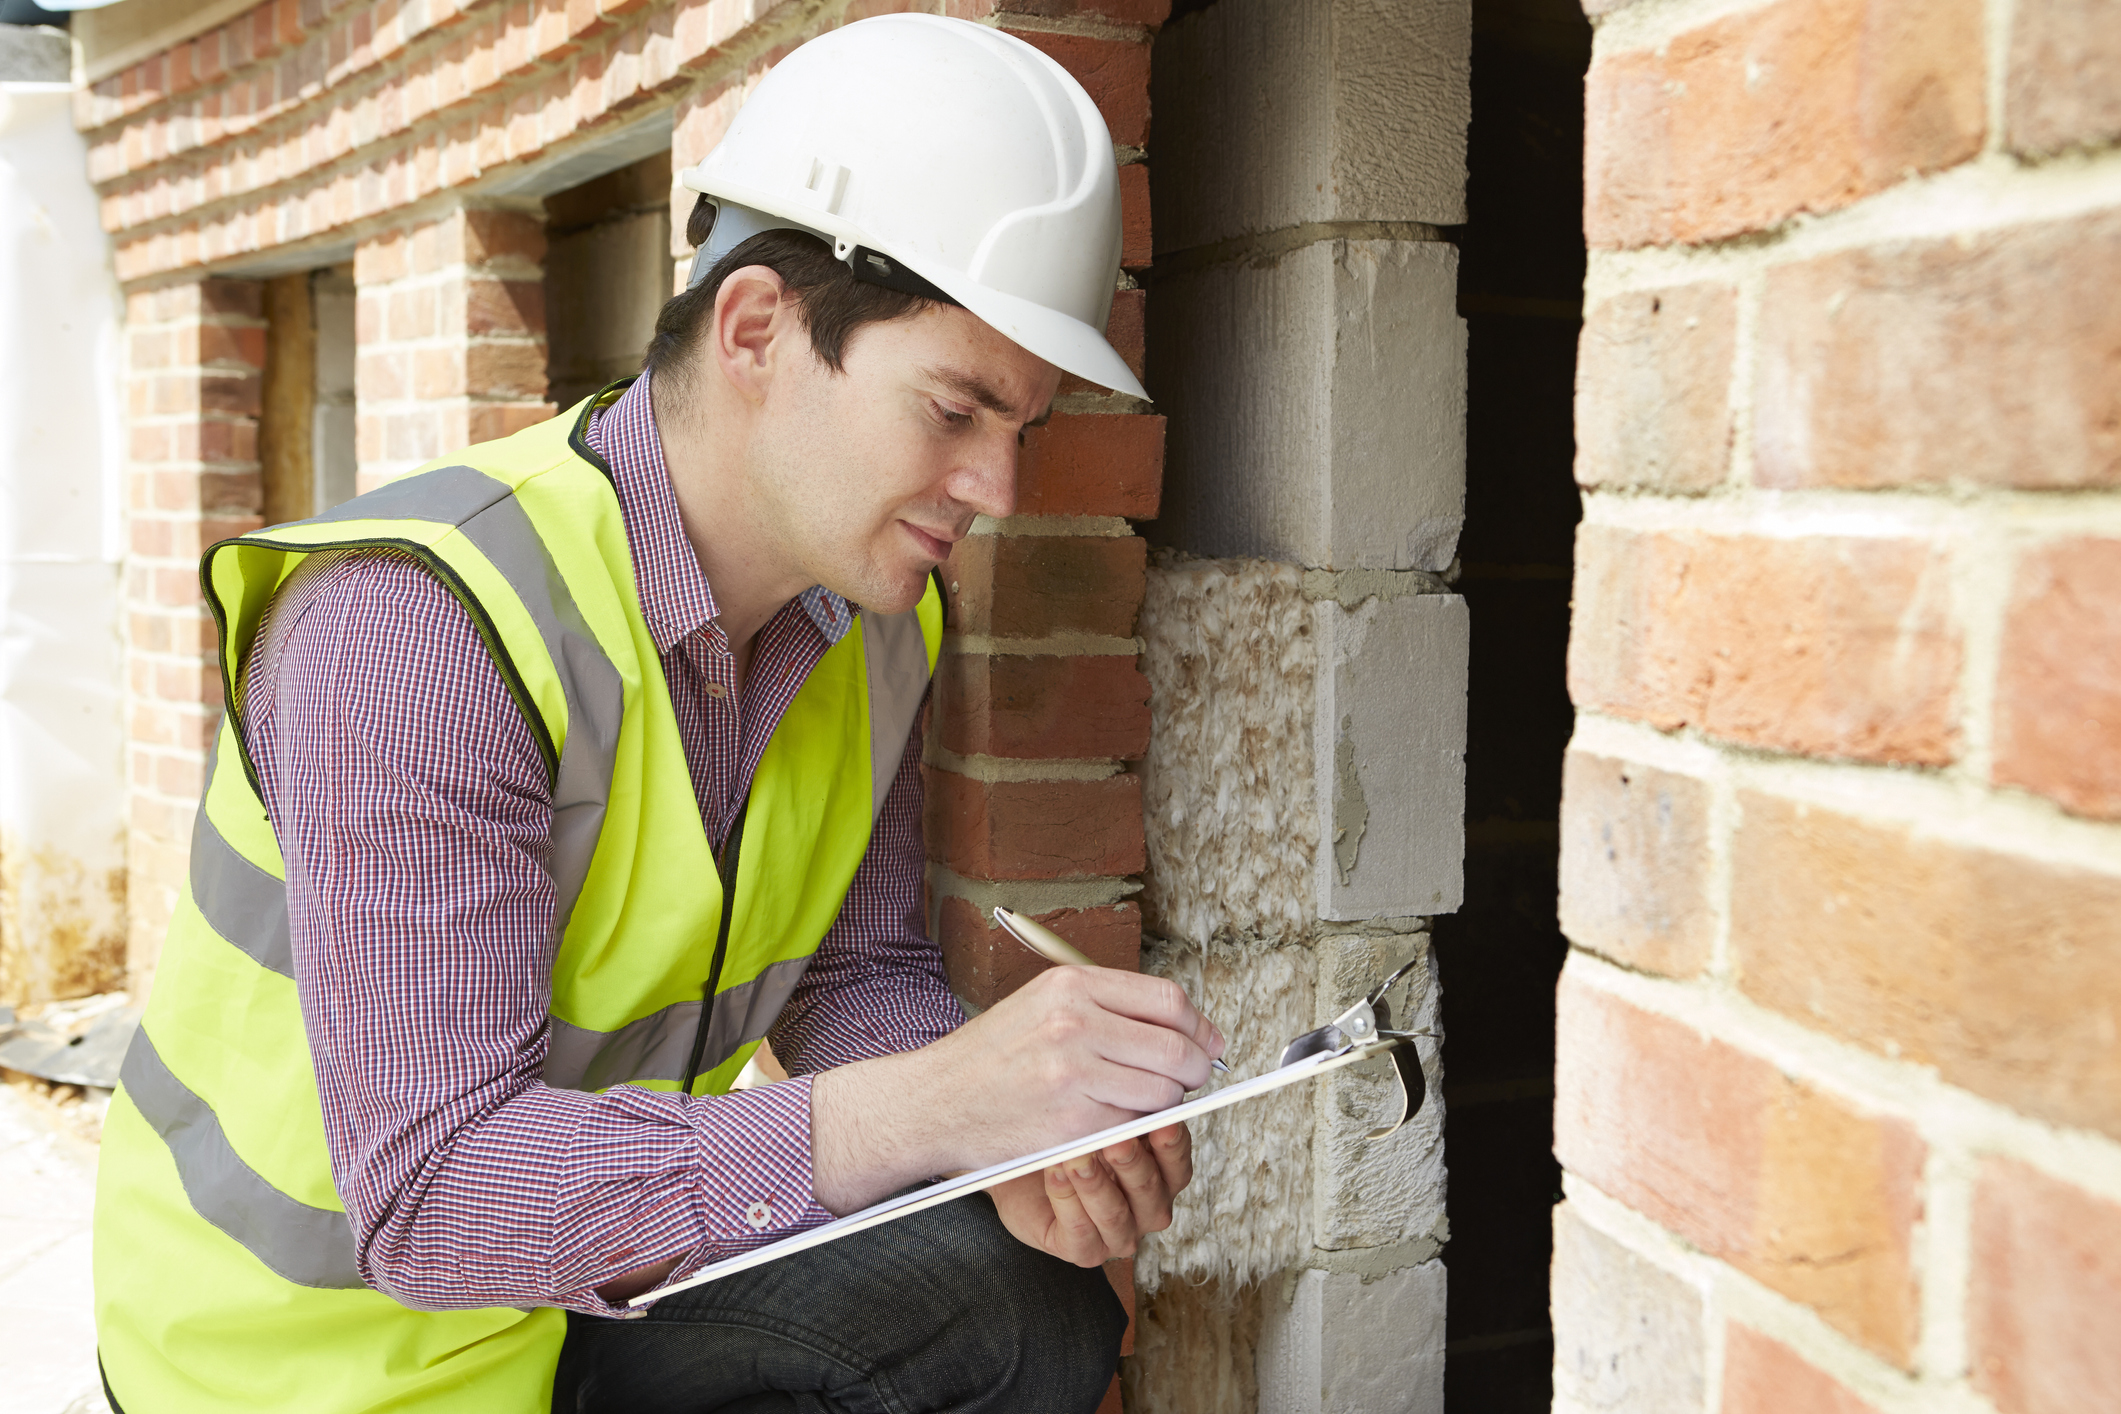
[(1368, 1023)]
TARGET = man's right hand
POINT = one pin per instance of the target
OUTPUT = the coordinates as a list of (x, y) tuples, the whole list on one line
[(1075, 1050)]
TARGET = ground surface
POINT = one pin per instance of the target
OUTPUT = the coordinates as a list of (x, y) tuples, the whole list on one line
[(47, 1184)]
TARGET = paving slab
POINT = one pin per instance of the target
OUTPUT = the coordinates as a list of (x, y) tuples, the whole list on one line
[(47, 1324)]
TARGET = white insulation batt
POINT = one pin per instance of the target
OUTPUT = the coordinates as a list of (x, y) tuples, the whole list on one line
[(1228, 796), (1232, 821), (1248, 1210), (62, 894)]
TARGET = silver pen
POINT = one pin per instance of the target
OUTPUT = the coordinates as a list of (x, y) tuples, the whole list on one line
[(1053, 947)]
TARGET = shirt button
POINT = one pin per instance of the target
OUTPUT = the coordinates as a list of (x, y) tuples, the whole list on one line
[(759, 1215), (717, 691)]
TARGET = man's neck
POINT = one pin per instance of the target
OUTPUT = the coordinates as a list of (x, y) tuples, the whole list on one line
[(735, 547)]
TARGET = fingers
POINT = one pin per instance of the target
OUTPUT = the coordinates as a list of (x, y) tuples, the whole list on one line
[(1156, 1000), (1141, 1177), (1093, 1219), (1172, 1147), (1136, 1023)]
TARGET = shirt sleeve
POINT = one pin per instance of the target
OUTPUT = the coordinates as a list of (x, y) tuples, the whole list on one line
[(414, 814), (876, 986)]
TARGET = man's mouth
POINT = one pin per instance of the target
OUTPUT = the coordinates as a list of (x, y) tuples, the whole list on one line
[(935, 547)]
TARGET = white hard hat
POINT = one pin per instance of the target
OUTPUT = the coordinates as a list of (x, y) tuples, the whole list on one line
[(947, 150)]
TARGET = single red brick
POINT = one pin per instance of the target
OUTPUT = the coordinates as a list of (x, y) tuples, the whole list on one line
[(513, 370), (1992, 360), (153, 536), (1653, 382), (187, 682), (2065, 75), (985, 964), (1799, 105), (238, 393), (438, 372), (1998, 969), (1837, 647), (244, 299), (1792, 1186), (1022, 706), (2058, 686), (222, 345), (2044, 1304), (1035, 829), (416, 314), (1100, 464), (178, 774), (1033, 586), (489, 235), (1764, 1376), (1635, 864), (1115, 73), (226, 492)]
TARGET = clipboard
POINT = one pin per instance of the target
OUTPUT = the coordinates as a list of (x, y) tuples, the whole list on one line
[(1357, 1034)]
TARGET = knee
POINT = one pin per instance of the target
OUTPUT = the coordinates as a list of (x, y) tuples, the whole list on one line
[(1046, 1331)]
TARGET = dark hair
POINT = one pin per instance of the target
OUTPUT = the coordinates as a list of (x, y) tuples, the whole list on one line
[(831, 302)]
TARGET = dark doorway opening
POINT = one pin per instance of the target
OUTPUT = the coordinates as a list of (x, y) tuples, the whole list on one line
[(608, 270), (1520, 291)]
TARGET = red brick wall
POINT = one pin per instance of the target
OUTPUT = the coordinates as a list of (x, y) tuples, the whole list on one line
[(450, 327), (1840, 1036), (195, 359)]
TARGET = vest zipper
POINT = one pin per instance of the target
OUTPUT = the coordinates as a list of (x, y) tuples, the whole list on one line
[(725, 865)]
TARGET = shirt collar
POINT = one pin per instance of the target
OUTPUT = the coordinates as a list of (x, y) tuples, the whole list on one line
[(676, 599)]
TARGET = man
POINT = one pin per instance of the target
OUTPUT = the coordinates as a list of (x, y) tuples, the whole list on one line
[(555, 776)]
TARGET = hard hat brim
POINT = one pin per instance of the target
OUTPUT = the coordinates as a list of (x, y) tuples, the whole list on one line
[(1060, 339)]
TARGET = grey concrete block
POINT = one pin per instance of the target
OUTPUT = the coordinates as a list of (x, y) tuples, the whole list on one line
[(1627, 1334), (1388, 738), (1344, 1344), (1317, 406), (1372, 1193), (1272, 114)]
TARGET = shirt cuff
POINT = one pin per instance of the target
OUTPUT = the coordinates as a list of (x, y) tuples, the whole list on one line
[(755, 1180)]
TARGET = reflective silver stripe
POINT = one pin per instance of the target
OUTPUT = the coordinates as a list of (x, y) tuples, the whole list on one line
[(657, 1047), (896, 657), (448, 495), (308, 1246), (486, 511), (596, 698), (240, 901)]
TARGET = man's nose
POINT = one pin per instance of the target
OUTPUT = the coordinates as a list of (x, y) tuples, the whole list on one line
[(987, 481)]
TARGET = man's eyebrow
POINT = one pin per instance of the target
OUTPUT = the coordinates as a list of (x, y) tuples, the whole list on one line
[(974, 389)]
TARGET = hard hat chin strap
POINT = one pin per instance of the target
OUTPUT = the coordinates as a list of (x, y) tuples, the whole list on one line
[(734, 224)]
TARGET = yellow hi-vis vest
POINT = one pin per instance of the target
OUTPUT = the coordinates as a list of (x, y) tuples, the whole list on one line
[(225, 1267)]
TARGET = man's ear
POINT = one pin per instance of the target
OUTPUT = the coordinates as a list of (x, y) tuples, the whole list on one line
[(754, 318)]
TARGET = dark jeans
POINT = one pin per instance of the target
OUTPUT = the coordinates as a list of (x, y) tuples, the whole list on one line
[(940, 1311)]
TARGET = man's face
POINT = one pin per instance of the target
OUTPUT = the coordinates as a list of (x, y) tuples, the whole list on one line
[(869, 476)]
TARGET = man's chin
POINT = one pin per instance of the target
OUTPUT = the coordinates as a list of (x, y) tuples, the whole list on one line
[(888, 593)]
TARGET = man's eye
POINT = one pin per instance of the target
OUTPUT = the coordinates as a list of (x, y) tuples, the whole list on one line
[(952, 415)]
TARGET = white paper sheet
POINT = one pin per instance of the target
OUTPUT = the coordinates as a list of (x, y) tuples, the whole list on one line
[(1308, 1068)]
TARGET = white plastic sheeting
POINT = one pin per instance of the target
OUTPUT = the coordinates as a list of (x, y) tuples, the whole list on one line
[(62, 784)]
